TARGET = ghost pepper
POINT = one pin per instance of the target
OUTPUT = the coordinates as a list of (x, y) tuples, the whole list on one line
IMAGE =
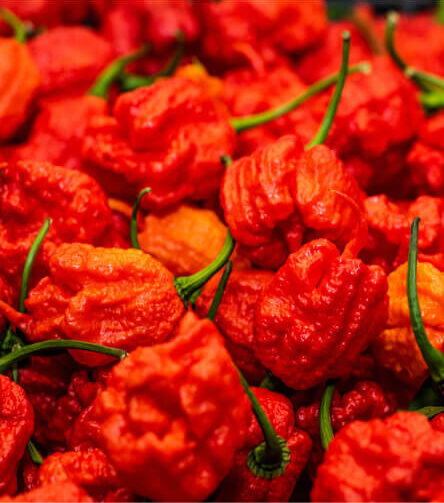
[(178, 408), (60, 492), (235, 316), (399, 458), (16, 427), (241, 484), (90, 470), (19, 77), (32, 191)]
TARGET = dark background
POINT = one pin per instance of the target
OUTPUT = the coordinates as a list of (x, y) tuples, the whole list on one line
[(385, 5)]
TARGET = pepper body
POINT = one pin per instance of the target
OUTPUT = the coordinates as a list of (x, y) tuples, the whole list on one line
[(33, 191), (399, 458), (395, 348), (280, 196), (129, 295), (16, 427), (61, 492), (317, 315), (19, 82), (178, 408), (169, 136), (241, 484), (236, 315)]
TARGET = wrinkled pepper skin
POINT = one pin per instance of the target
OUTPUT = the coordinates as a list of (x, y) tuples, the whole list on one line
[(399, 458), (395, 348), (119, 298), (19, 82), (241, 484), (389, 230), (61, 492), (283, 26), (178, 408), (235, 316), (90, 470), (16, 427), (69, 59), (57, 132), (122, 28), (426, 158), (317, 315), (169, 136), (33, 191), (185, 239), (280, 195), (5, 296)]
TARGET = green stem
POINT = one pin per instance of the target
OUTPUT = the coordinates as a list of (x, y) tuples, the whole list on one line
[(220, 291), (367, 31), (322, 133), (432, 100), (440, 12), (20, 354), (19, 28), (134, 214), (29, 262), (429, 79), (433, 357), (187, 285), (325, 427), (131, 81), (392, 21), (431, 412), (428, 394), (270, 458), (103, 84), (36, 458), (241, 124), (226, 160)]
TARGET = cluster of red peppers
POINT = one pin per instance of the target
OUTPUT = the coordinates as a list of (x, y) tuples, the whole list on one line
[(221, 261)]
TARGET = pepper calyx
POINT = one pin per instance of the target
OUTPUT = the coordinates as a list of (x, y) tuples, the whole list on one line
[(266, 464)]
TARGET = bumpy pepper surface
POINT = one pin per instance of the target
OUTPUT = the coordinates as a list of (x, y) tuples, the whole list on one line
[(16, 427), (119, 298), (33, 191), (178, 408), (60, 492), (317, 315), (19, 81), (400, 458), (395, 348), (235, 316), (241, 484), (169, 136), (281, 194)]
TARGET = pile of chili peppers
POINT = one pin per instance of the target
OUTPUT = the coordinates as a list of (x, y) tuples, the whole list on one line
[(221, 252)]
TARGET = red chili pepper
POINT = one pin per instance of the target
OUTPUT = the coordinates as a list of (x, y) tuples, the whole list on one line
[(317, 314), (399, 458), (61, 492), (235, 316), (178, 408), (16, 427), (241, 484)]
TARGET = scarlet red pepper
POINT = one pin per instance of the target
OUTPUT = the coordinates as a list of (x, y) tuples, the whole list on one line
[(235, 316), (16, 427), (399, 458), (241, 484), (317, 314), (61, 492), (183, 412)]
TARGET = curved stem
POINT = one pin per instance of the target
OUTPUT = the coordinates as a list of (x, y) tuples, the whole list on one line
[(432, 100), (103, 84), (325, 427), (20, 354), (130, 81), (29, 262), (367, 31), (34, 454), (187, 285), (19, 28), (322, 133), (241, 124), (134, 214), (226, 160), (431, 411), (220, 291), (427, 78), (270, 458), (433, 357)]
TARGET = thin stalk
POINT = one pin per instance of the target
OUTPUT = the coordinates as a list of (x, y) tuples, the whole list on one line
[(433, 357), (427, 78), (226, 160), (133, 225), (431, 411), (14, 22), (217, 299), (241, 124), (325, 427), (322, 133), (103, 84)]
